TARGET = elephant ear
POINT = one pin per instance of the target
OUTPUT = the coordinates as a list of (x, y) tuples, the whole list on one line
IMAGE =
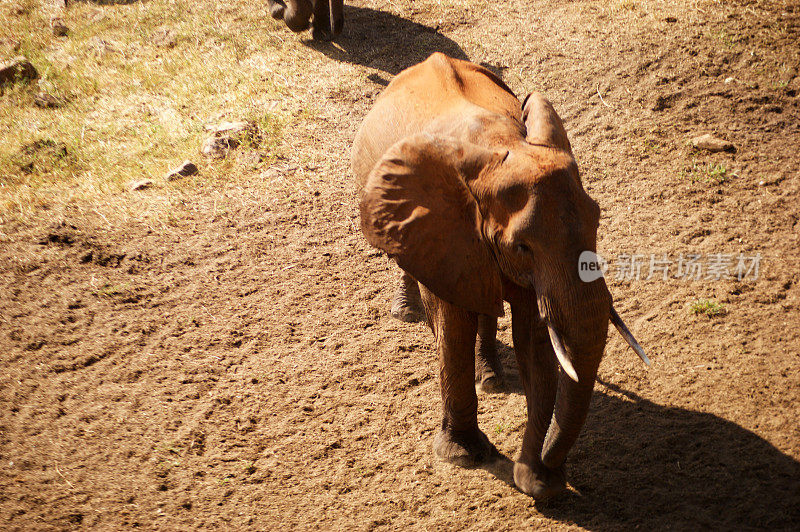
[(542, 123), (417, 207)]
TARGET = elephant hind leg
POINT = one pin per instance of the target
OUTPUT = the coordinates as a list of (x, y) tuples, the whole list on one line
[(406, 304), (488, 367)]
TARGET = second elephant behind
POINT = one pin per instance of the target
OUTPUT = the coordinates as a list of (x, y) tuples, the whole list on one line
[(326, 17)]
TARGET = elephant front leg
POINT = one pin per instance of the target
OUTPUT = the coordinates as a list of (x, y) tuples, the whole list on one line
[(538, 373), (459, 440), (488, 368), (406, 304)]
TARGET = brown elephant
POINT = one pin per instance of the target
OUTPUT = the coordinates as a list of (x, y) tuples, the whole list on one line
[(478, 198), (328, 16)]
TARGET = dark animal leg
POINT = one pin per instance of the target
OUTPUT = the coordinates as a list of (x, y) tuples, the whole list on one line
[(406, 305), (488, 368)]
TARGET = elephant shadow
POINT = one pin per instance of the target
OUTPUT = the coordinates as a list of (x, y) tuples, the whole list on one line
[(386, 42), (638, 464)]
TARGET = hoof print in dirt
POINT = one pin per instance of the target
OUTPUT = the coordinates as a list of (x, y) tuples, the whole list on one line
[(141, 184), (713, 144), (228, 136), (662, 102), (18, 69), (62, 233), (186, 169)]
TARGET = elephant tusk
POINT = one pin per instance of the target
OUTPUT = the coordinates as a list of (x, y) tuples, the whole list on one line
[(561, 353), (623, 330)]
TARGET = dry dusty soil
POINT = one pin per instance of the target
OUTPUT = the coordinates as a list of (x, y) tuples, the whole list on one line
[(236, 367)]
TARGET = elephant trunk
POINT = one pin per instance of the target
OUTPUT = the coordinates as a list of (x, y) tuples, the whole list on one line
[(581, 332), (569, 414)]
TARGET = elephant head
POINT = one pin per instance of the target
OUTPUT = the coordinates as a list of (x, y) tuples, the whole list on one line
[(328, 16), (477, 225)]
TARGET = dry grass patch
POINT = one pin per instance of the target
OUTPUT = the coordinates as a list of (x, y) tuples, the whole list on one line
[(136, 85)]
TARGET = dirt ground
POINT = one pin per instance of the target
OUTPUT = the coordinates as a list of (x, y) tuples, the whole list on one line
[(237, 366)]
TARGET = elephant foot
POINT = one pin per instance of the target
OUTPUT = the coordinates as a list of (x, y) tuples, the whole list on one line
[(491, 383), (406, 313), (406, 304), (276, 10), (489, 371), (539, 482), (465, 449)]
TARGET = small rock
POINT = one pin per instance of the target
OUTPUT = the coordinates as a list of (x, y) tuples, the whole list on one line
[(762, 183), (59, 28), (141, 185), (730, 80), (18, 69), (46, 101), (164, 38), (218, 147), (227, 136), (671, 19), (186, 169), (711, 143)]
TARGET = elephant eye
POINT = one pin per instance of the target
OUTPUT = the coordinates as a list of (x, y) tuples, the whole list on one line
[(523, 248)]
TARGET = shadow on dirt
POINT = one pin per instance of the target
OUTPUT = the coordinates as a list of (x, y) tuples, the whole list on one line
[(640, 464), (380, 40)]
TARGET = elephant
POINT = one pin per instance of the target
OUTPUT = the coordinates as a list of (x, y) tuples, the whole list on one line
[(328, 16), (477, 198)]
